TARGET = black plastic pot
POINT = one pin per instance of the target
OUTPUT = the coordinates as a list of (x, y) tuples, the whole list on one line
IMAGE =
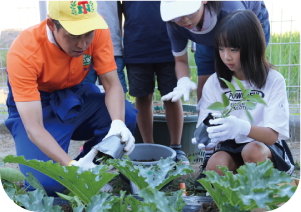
[(161, 133)]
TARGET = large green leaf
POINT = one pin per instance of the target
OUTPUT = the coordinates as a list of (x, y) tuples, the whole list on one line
[(253, 186), (118, 203), (79, 209), (33, 202), (156, 197), (9, 188), (225, 100), (83, 184), (99, 203), (34, 182), (153, 176), (217, 106), (212, 178), (227, 207), (127, 168), (165, 171), (176, 202), (230, 86), (11, 175)]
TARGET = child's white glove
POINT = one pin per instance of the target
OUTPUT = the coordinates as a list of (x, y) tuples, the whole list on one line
[(119, 129), (86, 162), (184, 86), (228, 128)]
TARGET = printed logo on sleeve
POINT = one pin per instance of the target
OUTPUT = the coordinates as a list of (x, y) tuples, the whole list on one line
[(86, 60)]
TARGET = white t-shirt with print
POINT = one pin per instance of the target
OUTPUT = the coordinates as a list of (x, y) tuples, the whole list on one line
[(275, 115)]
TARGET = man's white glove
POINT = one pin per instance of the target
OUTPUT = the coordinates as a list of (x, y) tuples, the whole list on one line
[(184, 86), (119, 129), (228, 128), (86, 162)]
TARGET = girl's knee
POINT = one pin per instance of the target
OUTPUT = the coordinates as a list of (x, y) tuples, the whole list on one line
[(220, 158), (254, 152)]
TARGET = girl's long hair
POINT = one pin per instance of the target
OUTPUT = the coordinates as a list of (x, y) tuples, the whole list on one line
[(241, 29)]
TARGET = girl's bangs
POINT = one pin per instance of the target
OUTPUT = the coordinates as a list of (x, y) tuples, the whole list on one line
[(229, 37)]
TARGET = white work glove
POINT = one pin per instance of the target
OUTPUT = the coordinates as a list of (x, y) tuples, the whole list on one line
[(228, 128), (184, 86), (86, 162), (119, 129)]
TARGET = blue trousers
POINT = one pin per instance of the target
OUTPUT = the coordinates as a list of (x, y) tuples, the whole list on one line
[(78, 113)]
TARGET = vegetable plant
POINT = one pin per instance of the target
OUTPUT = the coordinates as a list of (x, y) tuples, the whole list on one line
[(248, 99), (85, 186), (253, 187), (153, 176)]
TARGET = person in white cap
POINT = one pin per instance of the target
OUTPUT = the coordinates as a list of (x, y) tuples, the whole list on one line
[(197, 21), (47, 102)]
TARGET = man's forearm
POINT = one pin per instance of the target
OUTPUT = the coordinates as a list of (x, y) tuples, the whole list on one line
[(115, 102), (48, 145)]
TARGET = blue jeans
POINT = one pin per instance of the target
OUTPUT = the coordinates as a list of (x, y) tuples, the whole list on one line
[(92, 75)]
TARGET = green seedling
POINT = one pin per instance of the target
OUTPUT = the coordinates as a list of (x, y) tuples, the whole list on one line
[(247, 99)]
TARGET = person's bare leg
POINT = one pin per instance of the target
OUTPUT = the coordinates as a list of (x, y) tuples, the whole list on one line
[(255, 152), (175, 119), (222, 159), (145, 117)]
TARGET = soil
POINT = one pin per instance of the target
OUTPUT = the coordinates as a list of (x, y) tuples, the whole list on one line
[(206, 207), (151, 160), (185, 113), (66, 208)]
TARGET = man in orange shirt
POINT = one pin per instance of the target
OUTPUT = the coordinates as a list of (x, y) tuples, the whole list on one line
[(48, 105)]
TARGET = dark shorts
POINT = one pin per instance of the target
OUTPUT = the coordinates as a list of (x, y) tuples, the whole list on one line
[(281, 153), (142, 78)]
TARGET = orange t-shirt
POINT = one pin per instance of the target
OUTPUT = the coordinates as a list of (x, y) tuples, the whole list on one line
[(34, 63)]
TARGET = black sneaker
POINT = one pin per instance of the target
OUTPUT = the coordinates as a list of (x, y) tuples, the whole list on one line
[(197, 185), (181, 156)]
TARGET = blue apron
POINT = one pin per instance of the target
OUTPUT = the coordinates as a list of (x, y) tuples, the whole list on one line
[(77, 113)]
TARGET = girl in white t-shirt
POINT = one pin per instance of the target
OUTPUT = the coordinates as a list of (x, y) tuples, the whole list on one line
[(240, 52)]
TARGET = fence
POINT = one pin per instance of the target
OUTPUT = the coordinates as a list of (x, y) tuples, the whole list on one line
[(283, 51)]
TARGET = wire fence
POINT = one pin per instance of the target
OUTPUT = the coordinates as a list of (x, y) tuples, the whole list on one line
[(283, 51)]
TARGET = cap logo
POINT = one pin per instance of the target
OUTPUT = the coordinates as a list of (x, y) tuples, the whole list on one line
[(81, 7)]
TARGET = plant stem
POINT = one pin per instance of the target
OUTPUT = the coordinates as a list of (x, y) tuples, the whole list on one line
[(233, 107)]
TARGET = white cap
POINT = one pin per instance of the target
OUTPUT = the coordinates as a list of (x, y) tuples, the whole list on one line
[(175, 9)]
